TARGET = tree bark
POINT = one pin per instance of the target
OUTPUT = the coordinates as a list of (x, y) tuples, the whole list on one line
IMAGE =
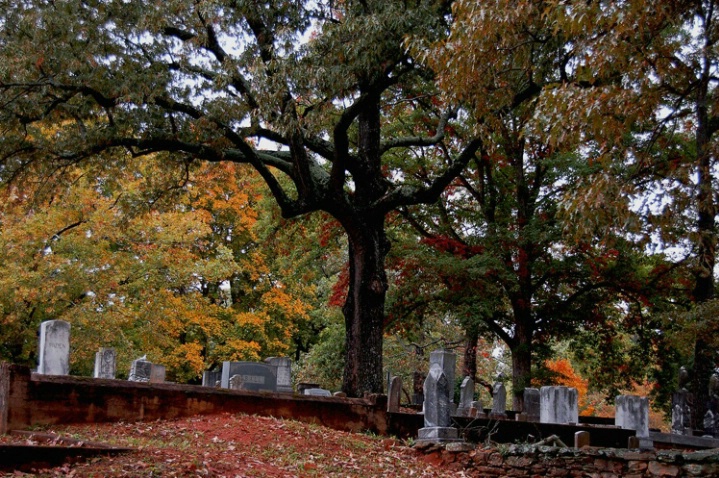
[(704, 287), (521, 362), (364, 308)]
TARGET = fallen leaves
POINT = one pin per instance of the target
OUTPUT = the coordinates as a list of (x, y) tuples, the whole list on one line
[(236, 445)]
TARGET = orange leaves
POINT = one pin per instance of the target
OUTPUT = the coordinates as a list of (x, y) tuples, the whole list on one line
[(565, 375)]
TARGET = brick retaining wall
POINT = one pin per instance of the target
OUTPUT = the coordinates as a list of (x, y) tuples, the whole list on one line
[(28, 399)]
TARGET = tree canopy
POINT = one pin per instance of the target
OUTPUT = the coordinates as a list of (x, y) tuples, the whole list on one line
[(551, 151)]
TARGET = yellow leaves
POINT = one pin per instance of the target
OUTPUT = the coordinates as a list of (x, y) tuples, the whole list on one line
[(291, 307)]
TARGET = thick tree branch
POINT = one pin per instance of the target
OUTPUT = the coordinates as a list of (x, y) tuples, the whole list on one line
[(419, 140)]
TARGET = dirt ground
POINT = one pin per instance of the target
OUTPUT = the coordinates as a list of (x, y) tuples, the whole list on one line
[(236, 445)]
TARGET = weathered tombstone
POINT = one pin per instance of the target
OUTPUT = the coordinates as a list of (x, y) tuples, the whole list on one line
[(558, 405), (283, 366), (476, 409), (531, 404), (339, 395), (104, 363), (394, 394), (235, 382), (318, 392), (437, 408), (677, 420), (157, 373), (499, 399), (632, 413), (255, 376), (211, 378), (54, 356), (302, 386), (446, 360), (466, 397), (682, 403), (581, 439), (140, 370), (709, 424)]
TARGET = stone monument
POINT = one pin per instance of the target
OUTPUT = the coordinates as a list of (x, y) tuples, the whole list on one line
[(140, 370), (394, 394), (54, 356), (466, 397), (105, 363), (682, 405), (437, 408), (499, 399), (255, 376), (531, 409), (558, 405), (632, 413), (283, 366)]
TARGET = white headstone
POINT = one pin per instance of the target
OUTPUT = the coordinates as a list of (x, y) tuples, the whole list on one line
[(558, 405), (54, 357), (632, 413), (104, 363)]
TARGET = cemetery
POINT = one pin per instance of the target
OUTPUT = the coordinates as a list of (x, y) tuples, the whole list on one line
[(548, 433)]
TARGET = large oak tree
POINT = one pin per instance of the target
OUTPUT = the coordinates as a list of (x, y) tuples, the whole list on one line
[(299, 90)]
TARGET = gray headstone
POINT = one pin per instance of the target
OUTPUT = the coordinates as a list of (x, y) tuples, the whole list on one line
[(677, 420), (682, 412), (105, 363), (476, 409), (632, 413), (157, 373), (466, 397), (302, 386), (54, 356), (394, 395), (558, 405), (140, 370), (709, 423), (283, 372), (437, 408), (531, 404), (211, 378), (499, 400), (318, 392), (581, 439), (436, 398), (447, 361), (255, 376)]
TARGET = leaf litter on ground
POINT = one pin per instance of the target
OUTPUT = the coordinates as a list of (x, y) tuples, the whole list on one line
[(238, 446)]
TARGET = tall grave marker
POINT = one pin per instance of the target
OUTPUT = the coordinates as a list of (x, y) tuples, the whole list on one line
[(54, 356)]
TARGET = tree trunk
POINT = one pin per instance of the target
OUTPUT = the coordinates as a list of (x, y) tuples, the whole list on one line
[(704, 287), (521, 358), (469, 364), (364, 308)]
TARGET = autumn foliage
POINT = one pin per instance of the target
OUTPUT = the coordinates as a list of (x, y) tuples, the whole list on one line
[(149, 261)]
